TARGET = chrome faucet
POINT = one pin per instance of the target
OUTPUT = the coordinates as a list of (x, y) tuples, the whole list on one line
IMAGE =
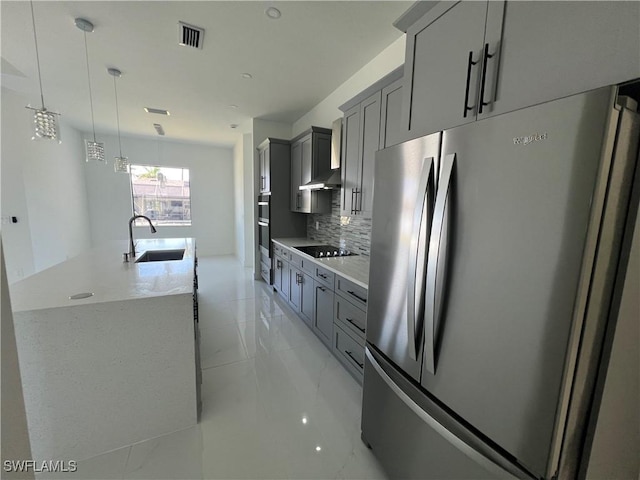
[(132, 246)]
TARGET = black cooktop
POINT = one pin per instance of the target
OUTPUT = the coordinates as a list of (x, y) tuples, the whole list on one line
[(323, 251)]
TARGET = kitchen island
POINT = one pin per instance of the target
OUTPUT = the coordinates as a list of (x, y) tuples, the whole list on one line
[(116, 367)]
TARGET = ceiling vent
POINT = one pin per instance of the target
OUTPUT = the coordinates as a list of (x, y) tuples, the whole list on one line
[(157, 111), (190, 36), (158, 128)]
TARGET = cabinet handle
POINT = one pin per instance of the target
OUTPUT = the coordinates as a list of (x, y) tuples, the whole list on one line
[(354, 324), (361, 365), (357, 296), (261, 181), (322, 289), (353, 200), (322, 275), (359, 197), (278, 264), (486, 58), (470, 63)]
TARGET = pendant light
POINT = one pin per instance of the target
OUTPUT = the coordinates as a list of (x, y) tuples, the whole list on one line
[(94, 149), (45, 123), (120, 164)]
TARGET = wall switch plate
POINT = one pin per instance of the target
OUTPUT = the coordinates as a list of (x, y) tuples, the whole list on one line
[(317, 225)]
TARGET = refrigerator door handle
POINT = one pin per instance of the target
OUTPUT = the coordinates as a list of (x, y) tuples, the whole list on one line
[(478, 456), (437, 260), (417, 256)]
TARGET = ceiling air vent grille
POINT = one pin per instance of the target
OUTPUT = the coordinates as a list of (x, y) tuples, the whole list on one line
[(190, 36)]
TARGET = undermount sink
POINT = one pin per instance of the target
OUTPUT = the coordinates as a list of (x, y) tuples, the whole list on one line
[(161, 255)]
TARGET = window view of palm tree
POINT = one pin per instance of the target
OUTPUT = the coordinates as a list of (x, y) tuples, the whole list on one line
[(161, 193)]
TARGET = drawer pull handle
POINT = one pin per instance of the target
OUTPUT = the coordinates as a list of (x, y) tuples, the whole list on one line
[(322, 289), (357, 296), (322, 275), (355, 324), (361, 365)]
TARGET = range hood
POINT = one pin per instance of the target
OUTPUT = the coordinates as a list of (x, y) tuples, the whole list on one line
[(331, 179)]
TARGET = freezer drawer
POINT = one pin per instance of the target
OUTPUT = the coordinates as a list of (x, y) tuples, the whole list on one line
[(414, 439)]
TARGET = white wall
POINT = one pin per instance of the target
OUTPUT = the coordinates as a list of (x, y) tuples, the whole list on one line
[(323, 114), (238, 196), (43, 185), (247, 198), (212, 195)]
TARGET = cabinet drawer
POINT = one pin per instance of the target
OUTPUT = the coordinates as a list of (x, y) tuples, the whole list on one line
[(351, 291), (349, 352), (322, 275), (351, 318)]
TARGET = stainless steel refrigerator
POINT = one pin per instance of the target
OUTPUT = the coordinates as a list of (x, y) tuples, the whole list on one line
[(493, 258)]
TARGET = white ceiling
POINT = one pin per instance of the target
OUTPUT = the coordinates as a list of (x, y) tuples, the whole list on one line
[(295, 61)]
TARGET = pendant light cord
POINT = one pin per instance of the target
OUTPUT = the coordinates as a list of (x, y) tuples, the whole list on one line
[(86, 52), (35, 38), (117, 115)]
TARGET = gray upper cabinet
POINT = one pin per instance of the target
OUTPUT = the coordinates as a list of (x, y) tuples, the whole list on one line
[(363, 124), (469, 60), (443, 67), (391, 132), (265, 170), (559, 48), (358, 152), (310, 156), (350, 159)]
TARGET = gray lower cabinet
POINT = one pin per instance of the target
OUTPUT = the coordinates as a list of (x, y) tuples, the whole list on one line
[(331, 305), (301, 294), (295, 288), (281, 277), (349, 351), (350, 326), (323, 321), (307, 299)]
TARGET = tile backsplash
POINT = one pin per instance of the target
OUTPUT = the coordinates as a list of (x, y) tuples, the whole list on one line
[(352, 233)]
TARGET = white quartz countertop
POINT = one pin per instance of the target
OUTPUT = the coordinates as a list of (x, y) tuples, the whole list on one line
[(102, 272), (354, 268)]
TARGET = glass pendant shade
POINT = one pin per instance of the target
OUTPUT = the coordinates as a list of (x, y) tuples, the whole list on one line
[(94, 151), (45, 125), (121, 165)]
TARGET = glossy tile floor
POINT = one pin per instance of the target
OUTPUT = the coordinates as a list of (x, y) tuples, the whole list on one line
[(276, 403)]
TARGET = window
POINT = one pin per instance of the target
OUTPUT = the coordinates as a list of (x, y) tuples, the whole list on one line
[(161, 193)]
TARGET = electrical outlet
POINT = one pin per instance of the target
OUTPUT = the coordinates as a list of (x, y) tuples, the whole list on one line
[(317, 225)]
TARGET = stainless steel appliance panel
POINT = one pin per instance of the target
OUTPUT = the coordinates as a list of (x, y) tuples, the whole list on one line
[(405, 180), (414, 439), (515, 222)]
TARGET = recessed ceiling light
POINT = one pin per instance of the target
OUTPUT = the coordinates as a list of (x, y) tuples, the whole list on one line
[(273, 13), (158, 111), (247, 75), (234, 125), (233, 106)]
